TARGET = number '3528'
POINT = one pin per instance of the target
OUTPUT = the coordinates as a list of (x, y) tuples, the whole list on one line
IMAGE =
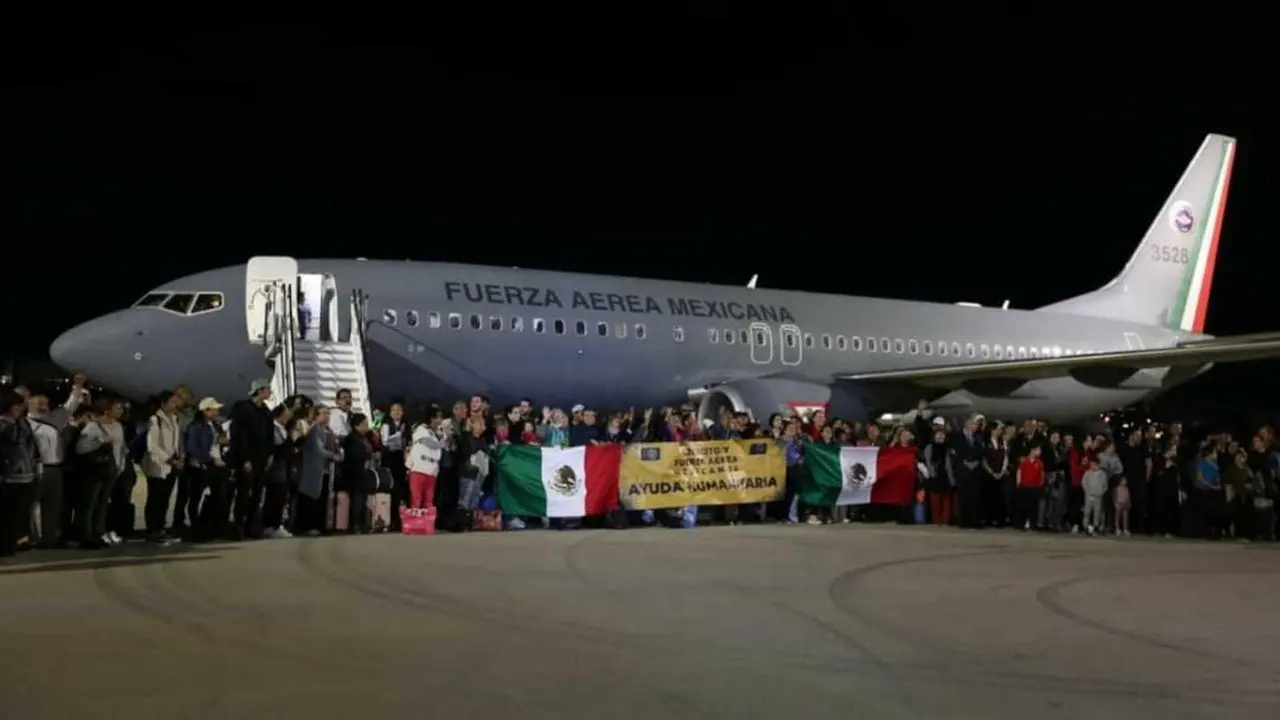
[(1170, 254)]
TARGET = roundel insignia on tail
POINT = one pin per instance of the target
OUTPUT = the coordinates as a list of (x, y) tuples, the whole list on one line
[(1181, 217)]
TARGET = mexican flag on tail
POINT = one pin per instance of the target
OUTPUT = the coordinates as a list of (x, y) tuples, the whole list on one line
[(858, 475), (558, 482)]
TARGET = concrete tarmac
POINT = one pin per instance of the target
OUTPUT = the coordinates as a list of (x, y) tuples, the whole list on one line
[(749, 622)]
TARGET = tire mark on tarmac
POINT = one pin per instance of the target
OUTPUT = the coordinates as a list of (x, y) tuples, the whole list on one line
[(226, 619), (844, 583), (1047, 597), (359, 580), (215, 676)]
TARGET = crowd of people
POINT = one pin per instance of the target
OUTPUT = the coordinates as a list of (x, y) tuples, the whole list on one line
[(261, 469)]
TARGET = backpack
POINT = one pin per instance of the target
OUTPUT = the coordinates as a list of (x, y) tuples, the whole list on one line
[(138, 447)]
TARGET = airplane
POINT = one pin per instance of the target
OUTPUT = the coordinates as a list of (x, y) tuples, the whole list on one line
[(428, 330)]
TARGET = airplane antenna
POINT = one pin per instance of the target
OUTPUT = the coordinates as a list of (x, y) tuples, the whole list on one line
[(752, 282)]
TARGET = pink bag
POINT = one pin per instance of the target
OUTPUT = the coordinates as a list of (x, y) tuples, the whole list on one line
[(418, 522)]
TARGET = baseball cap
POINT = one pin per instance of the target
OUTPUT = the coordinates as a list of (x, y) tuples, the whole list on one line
[(209, 404), (259, 384), (939, 422), (578, 408)]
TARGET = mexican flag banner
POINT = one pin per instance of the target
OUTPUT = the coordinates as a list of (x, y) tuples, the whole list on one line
[(858, 475), (558, 482)]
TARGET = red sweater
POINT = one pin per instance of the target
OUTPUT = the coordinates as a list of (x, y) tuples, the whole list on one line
[(1030, 473)]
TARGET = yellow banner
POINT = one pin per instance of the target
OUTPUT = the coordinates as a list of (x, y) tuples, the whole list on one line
[(712, 472)]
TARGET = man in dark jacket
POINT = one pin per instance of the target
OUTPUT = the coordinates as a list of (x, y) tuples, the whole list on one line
[(19, 457), (968, 448), (251, 446), (1137, 470)]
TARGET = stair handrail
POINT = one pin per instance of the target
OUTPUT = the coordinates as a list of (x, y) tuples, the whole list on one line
[(268, 324), (288, 330), (359, 314)]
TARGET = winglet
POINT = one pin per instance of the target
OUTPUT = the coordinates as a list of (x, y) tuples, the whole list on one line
[(1167, 280), (752, 282)]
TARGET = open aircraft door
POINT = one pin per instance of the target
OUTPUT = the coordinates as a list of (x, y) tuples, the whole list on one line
[(260, 274)]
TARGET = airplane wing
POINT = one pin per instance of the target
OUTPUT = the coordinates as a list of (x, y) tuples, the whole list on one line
[(1114, 364)]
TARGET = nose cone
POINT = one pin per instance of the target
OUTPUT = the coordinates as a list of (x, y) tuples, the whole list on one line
[(100, 348), (72, 348)]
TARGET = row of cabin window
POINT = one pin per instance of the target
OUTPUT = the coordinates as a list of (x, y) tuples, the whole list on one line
[(892, 345), (944, 348), (497, 323), (730, 337)]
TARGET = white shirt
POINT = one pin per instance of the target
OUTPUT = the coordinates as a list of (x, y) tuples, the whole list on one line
[(339, 423), (48, 434)]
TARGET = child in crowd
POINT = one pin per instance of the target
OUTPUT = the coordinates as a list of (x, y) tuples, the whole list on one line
[(1094, 484), (1120, 498)]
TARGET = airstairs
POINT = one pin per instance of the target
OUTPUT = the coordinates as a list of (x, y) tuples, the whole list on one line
[(323, 367), (307, 360)]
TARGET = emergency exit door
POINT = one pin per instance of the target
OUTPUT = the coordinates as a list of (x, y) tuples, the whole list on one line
[(790, 349)]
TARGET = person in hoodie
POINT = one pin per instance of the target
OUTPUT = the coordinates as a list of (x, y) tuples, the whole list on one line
[(49, 428), (19, 457), (1095, 484), (423, 461)]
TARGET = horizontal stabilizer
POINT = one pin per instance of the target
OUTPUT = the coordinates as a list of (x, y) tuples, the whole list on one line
[(1227, 349)]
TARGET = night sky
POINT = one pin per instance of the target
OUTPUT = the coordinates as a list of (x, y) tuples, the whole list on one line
[(838, 150)]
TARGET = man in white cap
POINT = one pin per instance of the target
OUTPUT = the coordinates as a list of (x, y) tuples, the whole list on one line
[(206, 470)]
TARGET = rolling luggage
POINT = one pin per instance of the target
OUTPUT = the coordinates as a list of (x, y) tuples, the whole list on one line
[(377, 515), (377, 512), (337, 504)]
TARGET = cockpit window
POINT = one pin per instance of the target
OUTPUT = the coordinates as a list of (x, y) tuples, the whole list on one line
[(206, 302), (151, 300), (179, 303)]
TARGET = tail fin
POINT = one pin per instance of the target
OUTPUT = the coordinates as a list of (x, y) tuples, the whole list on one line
[(1167, 281)]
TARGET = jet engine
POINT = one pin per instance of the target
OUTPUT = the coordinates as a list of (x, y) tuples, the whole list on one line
[(765, 396)]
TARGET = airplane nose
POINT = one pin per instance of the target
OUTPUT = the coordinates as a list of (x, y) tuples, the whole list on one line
[(85, 347), (68, 351)]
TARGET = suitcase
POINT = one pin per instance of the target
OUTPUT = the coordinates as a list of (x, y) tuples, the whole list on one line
[(337, 505), (418, 522), (377, 515)]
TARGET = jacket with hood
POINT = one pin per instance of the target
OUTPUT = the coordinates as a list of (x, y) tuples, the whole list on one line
[(423, 455), (1095, 482)]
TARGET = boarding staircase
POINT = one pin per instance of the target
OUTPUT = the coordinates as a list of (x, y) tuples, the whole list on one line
[(319, 366), (323, 367)]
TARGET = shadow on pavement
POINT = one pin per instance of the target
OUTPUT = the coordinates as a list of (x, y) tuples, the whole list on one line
[(128, 555)]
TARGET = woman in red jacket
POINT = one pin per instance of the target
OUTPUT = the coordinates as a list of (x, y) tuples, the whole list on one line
[(1030, 488)]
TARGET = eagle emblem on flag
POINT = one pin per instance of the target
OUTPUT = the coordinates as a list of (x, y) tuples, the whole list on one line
[(565, 480), (856, 476)]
